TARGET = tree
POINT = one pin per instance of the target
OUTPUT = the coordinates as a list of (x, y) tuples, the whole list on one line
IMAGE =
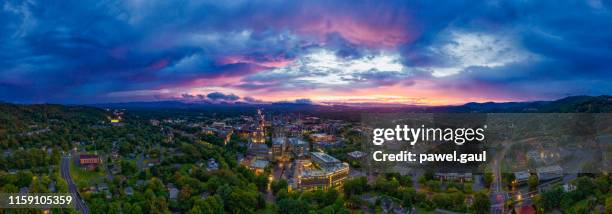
[(114, 207), (383, 185), (584, 186), (133, 209), (241, 201), (428, 175), (551, 198), (210, 205), (291, 206), (609, 204), (409, 197), (261, 181), (481, 203), (442, 200), (128, 167), (355, 186), (488, 178), (278, 185), (602, 184), (24, 178), (533, 182), (10, 188)]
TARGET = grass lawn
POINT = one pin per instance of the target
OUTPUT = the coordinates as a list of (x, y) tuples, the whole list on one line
[(422, 210), (79, 174)]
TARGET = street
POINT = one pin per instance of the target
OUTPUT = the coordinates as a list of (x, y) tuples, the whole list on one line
[(65, 173)]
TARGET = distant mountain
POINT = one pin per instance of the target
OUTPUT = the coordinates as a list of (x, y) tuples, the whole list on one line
[(155, 104), (590, 104), (585, 104)]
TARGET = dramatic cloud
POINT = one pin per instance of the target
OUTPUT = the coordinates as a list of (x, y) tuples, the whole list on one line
[(222, 97), (323, 68), (423, 52), (252, 100)]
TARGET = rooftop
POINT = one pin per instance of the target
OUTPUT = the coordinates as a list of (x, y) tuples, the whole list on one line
[(356, 154), (324, 157), (549, 169), (521, 175), (325, 170), (278, 140), (259, 164), (297, 141), (86, 156)]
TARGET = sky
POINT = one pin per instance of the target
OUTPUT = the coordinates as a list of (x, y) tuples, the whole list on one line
[(328, 52)]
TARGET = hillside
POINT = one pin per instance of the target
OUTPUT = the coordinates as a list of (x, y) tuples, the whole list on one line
[(20, 118), (574, 104)]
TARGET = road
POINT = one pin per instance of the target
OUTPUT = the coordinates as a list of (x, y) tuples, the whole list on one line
[(109, 173), (497, 196), (65, 173)]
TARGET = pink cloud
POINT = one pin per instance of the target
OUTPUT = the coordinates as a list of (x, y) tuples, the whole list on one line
[(361, 32)]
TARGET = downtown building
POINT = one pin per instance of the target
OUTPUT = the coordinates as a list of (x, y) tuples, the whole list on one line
[(328, 173)]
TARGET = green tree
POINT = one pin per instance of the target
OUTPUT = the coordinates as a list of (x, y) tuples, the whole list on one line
[(261, 181), (488, 178), (291, 206), (609, 204), (481, 203), (355, 186), (551, 199), (532, 182), (278, 185)]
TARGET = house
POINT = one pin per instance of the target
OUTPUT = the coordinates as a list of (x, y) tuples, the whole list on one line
[(322, 137), (441, 211), (173, 193), (102, 187), (153, 162), (521, 177), (212, 165), (129, 191), (534, 155), (258, 166), (569, 187), (527, 209), (260, 150), (51, 187), (356, 154), (90, 162), (454, 176), (7, 153), (328, 144), (204, 195), (549, 172)]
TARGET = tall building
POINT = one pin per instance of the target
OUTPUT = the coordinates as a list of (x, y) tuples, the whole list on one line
[(279, 147), (299, 147), (258, 136)]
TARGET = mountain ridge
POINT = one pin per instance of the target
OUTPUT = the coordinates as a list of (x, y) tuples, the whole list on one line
[(590, 104)]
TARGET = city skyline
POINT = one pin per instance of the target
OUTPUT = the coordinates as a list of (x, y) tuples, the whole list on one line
[(417, 53)]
